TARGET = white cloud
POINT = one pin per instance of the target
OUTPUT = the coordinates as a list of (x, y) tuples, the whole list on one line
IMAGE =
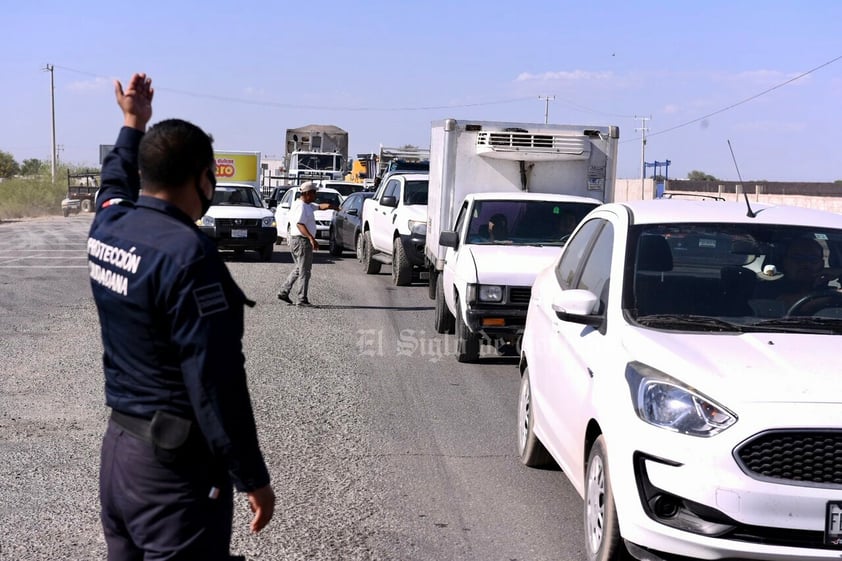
[(576, 75), (90, 85)]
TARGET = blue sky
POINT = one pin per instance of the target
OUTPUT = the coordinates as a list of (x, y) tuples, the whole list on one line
[(246, 71)]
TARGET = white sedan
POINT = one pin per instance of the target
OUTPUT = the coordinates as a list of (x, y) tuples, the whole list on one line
[(323, 217), (680, 363)]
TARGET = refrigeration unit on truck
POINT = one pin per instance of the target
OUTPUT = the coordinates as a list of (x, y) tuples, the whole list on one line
[(503, 198)]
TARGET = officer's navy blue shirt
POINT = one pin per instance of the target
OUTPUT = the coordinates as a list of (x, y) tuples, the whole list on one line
[(171, 317)]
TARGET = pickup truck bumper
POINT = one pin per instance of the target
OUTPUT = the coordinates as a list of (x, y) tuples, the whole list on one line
[(413, 245), (496, 321), (228, 238)]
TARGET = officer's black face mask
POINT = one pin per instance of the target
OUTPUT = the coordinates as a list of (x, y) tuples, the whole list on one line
[(206, 202)]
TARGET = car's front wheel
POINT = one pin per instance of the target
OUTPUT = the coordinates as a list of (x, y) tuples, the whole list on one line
[(266, 252), (532, 452), (358, 246), (333, 248), (602, 531)]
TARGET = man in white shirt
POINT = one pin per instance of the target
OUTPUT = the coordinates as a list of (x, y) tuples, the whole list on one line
[(302, 243)]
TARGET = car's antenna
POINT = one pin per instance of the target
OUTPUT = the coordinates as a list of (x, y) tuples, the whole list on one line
[(750, 213)]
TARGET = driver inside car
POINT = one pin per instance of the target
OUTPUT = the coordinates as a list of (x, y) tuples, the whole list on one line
[(804, 274)]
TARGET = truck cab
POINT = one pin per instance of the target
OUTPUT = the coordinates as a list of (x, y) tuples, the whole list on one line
[(498, 245)]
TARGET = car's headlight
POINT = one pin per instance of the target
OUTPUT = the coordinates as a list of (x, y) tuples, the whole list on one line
[(268, 221), (485, 292), (665, 402), (206, 221), (418, 227)]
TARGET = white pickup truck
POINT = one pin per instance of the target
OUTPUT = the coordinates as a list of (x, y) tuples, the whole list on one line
[(394, 227), (503, 198)]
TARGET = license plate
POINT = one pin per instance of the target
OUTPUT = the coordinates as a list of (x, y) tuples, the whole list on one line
[(239, 233), (833, 524)]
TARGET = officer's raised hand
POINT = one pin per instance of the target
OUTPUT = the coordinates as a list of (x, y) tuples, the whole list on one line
[(135, 101)]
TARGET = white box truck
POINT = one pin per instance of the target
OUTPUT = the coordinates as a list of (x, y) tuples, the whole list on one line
[(503, 198)]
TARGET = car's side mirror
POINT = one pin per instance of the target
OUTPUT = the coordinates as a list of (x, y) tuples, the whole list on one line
[(578, 306), (389, 201), (449, 238)]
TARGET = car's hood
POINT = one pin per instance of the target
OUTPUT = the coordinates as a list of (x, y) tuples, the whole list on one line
[(238, 212), (323, 214), (513, 265), (764, 367)]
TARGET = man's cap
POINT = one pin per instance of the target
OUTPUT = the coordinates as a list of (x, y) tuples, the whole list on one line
[(308, 186)]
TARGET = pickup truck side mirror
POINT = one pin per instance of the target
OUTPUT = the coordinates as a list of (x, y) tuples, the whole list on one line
[(389, 201), (271, 203), (449, 239)]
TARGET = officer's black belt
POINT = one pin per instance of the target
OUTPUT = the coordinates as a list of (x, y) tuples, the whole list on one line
[(136, 426)]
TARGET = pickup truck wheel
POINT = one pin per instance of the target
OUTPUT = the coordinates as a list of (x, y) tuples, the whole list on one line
[(443, 321), (467, 343), (333, 248), (266, 252), (401, 268), (87, 205), (370, 265)]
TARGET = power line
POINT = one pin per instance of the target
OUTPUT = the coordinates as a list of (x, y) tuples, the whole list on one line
[(283, 105), (750, 98)]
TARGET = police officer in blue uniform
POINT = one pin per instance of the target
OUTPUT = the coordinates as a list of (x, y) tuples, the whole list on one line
[(182, 430)]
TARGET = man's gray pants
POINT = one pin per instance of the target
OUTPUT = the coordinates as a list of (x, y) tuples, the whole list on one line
[(302, 256)]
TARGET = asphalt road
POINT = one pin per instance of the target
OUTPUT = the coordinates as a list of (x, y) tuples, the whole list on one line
[(381, 445)]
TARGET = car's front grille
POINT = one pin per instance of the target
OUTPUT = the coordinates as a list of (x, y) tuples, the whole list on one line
[(795, 456), (519, 294), (237, 222)]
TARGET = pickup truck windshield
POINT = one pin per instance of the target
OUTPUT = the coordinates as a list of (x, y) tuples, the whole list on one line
[(524, 222)]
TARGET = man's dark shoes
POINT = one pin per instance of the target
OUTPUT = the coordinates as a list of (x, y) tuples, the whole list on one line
[(284, 297), (305, 304)]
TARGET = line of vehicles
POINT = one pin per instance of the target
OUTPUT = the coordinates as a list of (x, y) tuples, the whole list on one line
[(685, 387), (677, 357)]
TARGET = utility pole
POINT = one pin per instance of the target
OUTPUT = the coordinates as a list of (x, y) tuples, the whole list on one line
[(643, 131), (547, 99), (49, 68)]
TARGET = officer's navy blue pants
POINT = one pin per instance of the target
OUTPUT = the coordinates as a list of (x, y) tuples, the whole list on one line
[(155, 510)]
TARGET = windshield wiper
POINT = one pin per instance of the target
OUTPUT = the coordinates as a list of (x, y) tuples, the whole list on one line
[(701, 323), (804, 323)]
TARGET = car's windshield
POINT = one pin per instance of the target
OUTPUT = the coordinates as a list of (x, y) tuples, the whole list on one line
[(524, 222), (236, 196), (324, 197), (746, 274), (346, 189)]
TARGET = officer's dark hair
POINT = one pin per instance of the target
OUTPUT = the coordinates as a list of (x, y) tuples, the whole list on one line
[(172, 152)]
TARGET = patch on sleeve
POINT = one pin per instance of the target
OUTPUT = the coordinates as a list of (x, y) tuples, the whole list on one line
[(210, 299)]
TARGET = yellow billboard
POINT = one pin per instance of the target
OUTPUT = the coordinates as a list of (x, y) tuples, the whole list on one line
[(238, 166)]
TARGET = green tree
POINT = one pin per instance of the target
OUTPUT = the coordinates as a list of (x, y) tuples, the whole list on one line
[(697, 175), (32, 166), (8, 166)]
